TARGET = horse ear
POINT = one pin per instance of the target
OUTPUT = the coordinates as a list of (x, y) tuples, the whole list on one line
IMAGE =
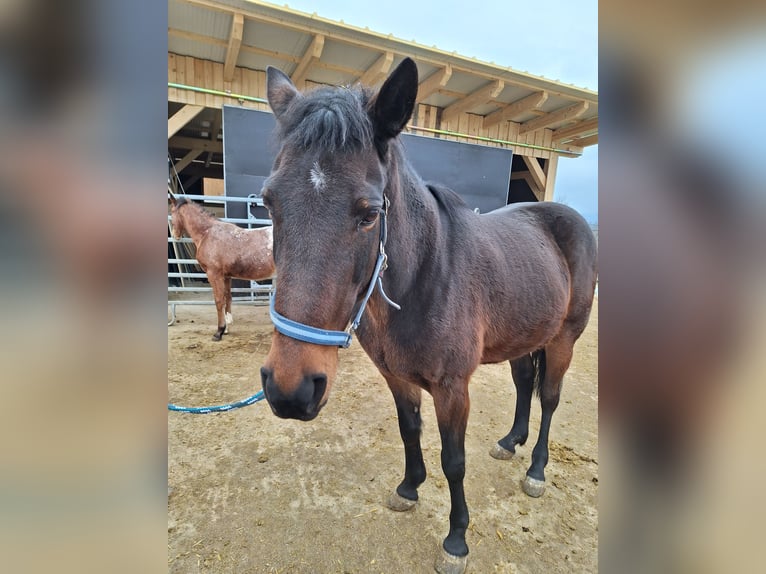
[(171, 198), (280, 91), (393, 105)]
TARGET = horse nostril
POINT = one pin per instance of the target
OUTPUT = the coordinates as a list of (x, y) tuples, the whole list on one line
[(320, 384), (265, 377)]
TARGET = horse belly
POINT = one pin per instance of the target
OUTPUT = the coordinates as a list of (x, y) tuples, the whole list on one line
[(523, 324)]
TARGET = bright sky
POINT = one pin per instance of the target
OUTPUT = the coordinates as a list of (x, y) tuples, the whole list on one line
[(556, 39)]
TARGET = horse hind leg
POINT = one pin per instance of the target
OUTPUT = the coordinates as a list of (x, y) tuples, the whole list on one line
[(227, 311), (556, 359), (523, 370)]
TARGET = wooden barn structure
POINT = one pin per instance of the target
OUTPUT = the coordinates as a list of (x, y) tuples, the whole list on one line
[(218, 51)]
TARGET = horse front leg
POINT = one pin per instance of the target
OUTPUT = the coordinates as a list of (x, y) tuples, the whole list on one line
[(452, 405), (218, 283), (227, 308), (407, 399)]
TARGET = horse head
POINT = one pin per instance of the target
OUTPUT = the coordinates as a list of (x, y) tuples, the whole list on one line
[(326, 197), (176, 219)]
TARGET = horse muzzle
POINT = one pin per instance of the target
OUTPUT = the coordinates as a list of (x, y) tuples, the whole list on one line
[(302, 403)]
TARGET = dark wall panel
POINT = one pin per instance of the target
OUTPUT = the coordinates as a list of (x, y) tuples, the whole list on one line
[(249, 149), (480, 174)]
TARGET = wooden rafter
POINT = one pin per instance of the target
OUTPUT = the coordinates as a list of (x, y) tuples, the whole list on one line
[(270, 53), (232, 51), (477, 98), (187, 159), (569, 132), (182, 142), (378, 70), (182, 117), (568, 113), (551, 167), (311, 55), (537, 173), (585, 141), (526, 176), (186, 35), (216, 127), (434, 82), (525, 104)]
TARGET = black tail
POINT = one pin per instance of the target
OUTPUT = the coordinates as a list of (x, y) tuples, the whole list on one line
[(538, 363)]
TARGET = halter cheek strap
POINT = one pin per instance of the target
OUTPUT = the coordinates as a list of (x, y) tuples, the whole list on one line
[(309, 334)]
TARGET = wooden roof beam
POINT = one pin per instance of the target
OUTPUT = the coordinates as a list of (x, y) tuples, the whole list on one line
[(569, 132), (378, 70), (232, 50), (182, 117), (525, 104), (311, 55), (477, 98), (586, 141), (182, 142), (187, 159), (434, 83), (537, 173), (568, 113), (216, 127)]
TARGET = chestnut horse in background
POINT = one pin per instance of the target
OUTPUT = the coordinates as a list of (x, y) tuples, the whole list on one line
[(459, 289), (223, 251)]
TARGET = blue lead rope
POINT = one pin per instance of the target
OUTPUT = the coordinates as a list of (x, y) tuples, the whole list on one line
[(219, 408)]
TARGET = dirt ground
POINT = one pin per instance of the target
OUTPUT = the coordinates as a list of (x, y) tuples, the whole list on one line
[(251, 493)]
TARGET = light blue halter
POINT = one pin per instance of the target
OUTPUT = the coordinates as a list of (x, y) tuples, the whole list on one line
[(310, 334)]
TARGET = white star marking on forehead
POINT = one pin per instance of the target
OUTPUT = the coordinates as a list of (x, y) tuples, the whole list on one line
[(317, 177)]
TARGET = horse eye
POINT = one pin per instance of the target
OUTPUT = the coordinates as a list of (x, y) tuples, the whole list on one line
[(370, 218)]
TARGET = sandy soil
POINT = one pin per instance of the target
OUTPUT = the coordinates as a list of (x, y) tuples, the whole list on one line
[(252, 493)]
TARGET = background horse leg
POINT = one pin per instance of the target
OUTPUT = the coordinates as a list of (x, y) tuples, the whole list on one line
[(452, 405), (523, 371), (558, 355), (407, 399), (227, 310), (218, 283)]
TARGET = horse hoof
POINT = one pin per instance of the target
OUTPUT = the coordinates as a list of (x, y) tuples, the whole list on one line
[(446, 563), (217, 337), (399, 503), (501, 453), (533, 487), (229, 319)]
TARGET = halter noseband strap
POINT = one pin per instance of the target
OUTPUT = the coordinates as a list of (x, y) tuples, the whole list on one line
[(309, 334)]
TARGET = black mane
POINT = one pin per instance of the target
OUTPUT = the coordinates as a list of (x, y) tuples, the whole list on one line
[(449, 200), (328, 120)]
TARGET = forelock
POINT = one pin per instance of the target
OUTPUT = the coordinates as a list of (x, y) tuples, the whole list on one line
[(328, 120)]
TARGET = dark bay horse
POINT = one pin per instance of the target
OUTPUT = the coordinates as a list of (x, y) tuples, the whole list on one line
[(223, 251), (512, 285)]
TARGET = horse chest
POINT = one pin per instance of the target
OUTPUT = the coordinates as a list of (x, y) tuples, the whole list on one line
[(422, 364)]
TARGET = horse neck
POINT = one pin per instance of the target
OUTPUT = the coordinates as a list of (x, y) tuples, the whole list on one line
[(196, 222), (414, 228)]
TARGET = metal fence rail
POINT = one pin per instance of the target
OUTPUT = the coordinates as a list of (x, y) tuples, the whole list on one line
[(193, 280)]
